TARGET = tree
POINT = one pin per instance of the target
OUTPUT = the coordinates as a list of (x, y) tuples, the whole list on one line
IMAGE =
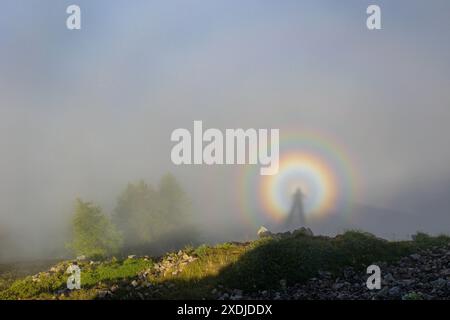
[(175, 206), (137, 214), (93, 233), (149, 217), (176, 214)]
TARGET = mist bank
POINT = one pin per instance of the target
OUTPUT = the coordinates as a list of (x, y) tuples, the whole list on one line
[(82, 114), (49, 241)]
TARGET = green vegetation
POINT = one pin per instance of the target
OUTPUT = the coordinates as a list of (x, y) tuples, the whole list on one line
[(143, 219), (45, 284), (257, 265), (412, 296), (299, 258), (93, 234), (114, 270), (10, 272), (146, 215), (136, 213)]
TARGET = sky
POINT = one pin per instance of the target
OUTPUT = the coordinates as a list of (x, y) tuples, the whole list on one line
[(84, 112)]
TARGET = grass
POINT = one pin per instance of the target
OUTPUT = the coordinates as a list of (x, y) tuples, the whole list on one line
[(105, 273), (299, 259), (114, 270), (13, 271), (257, 265)]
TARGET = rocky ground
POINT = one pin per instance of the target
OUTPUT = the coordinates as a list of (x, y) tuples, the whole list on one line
[(141, 287), (424, 275)]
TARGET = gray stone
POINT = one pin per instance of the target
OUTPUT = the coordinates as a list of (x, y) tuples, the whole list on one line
[(415, 256), (394, 291), (339, 286), (439, 283)]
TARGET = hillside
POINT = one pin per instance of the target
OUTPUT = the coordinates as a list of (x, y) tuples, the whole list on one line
[(291, 266)]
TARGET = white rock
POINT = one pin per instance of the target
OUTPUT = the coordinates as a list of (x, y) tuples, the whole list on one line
[(263, 232)]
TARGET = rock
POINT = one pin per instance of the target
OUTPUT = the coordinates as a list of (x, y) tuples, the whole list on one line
[(237, 292), (439, 283), (383, 292), (141, 296), (81, 258), (408, 282), (415, 256), (394, 291), (388, 278), (445, 272), (114, 288), (339, 286), (132, 256), (263, 232), (134, 283), (103, 294), (54, 269), (186, 257), (224, 296)]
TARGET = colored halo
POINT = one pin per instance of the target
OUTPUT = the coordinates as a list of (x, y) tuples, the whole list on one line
[(310, 161)]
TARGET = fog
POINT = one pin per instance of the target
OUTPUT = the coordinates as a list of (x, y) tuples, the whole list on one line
[(83, 113)]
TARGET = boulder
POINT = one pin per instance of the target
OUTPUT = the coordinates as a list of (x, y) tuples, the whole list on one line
[(263, 232)]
